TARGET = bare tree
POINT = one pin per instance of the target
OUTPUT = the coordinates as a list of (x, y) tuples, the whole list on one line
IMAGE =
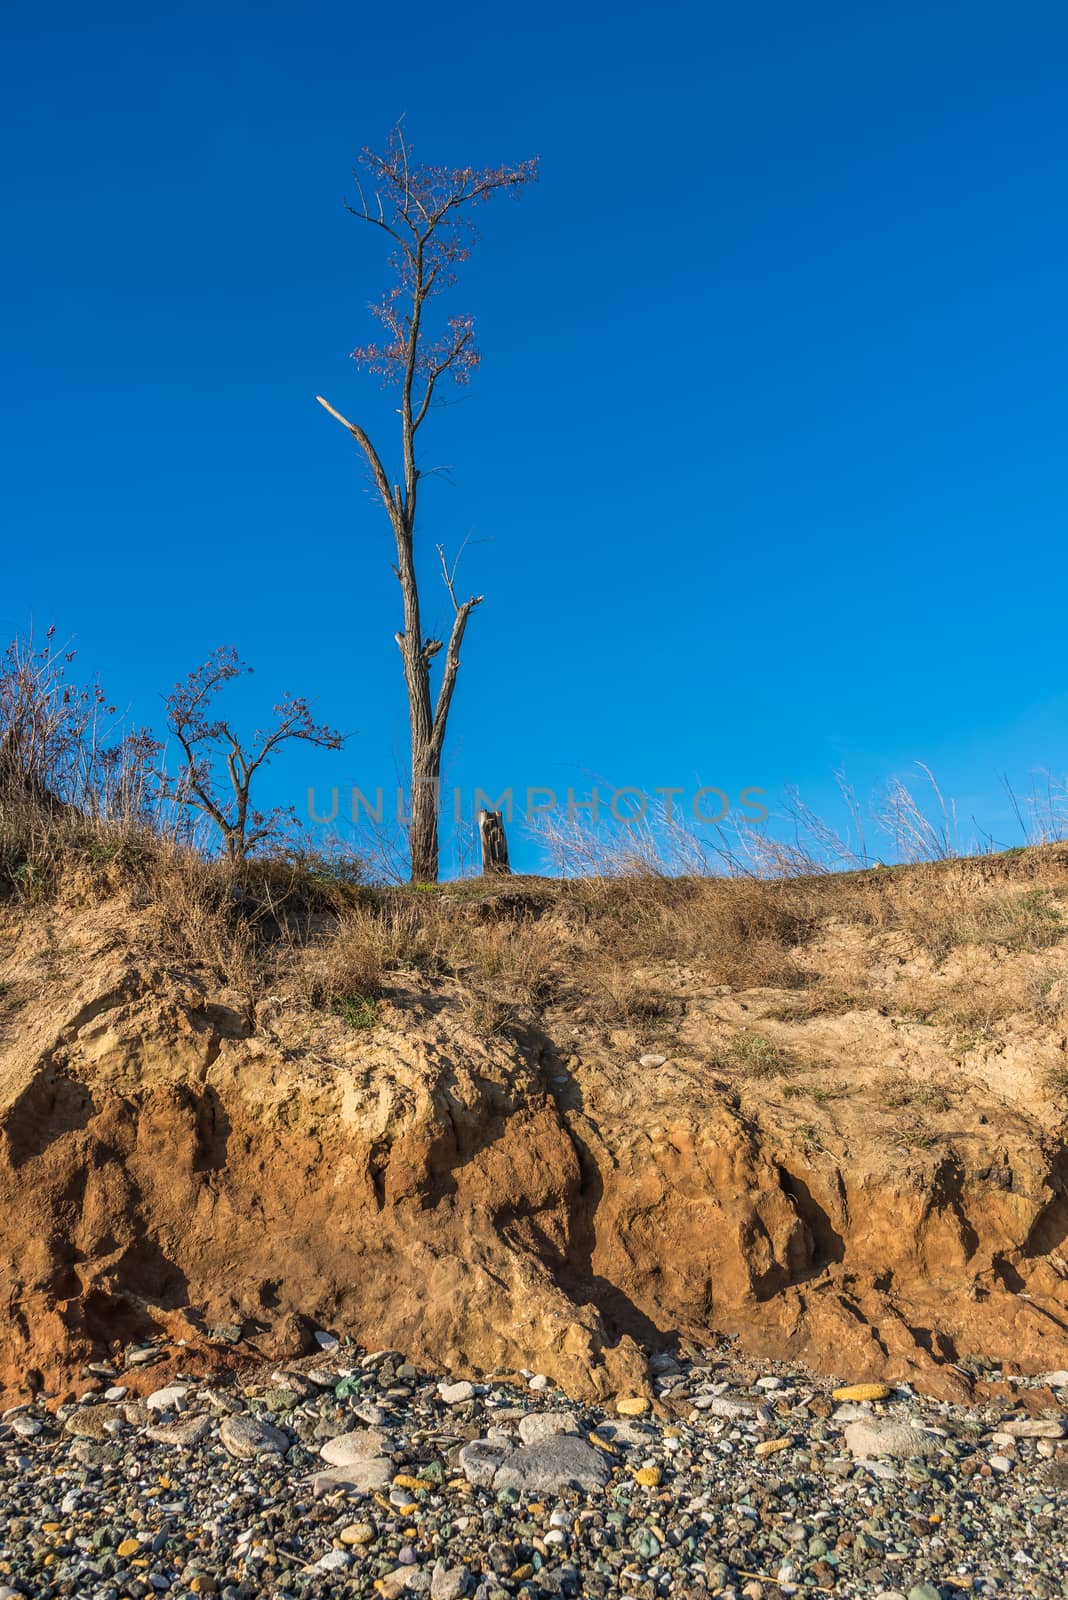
[(214, 758), (426, 212)]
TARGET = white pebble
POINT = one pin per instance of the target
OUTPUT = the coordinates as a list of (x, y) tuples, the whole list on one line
[(333, 1561), (454, 1394), (169, 1399)]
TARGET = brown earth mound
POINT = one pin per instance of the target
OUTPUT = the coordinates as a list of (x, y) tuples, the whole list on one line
[(843, 1186)]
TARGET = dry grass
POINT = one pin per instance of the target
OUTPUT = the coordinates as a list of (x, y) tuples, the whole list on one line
[(914, 1133), (352, 963), (488, 1018), (822, 1000), (899, 1093), (637, 916), (757, 1057), (616, 949)]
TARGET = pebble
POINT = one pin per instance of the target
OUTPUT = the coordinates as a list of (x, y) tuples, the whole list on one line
[(169, 1399), (393, 1584), (374, 1473), (334, 1561), (185, 1432), (1035, 1428), (448, 1583), (364, 1444), (247, 1437), (95, 1422), (739, 1407), (515, 1494), (538, 1426), (26, 1427), (897, 1441), (455, 1394), (358, 1533)]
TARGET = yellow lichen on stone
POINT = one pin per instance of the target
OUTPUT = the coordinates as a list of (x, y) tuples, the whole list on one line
[(767, 1447), (863, 1391)]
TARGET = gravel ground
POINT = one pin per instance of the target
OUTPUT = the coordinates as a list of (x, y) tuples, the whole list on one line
[(348, 1474)]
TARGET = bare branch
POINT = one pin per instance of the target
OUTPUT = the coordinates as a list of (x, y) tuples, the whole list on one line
[(449, 574), (362, 439), (448, 678)]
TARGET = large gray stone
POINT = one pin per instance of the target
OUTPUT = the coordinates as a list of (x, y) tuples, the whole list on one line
[(246, 1437), (1035, 1428), (363, 1444), (172, 1398), (454, 1394), (373, 1472), (625, 1431), (895, 1441), (185, 1432), (481, 1459), (737, 1408), (561, 1463), (537, 1426), (95, 1422)]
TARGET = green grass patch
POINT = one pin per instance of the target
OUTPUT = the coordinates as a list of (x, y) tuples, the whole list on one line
[(758, 1057), (356, 1011)]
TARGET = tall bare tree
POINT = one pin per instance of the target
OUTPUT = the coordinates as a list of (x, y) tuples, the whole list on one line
[(426, 212)]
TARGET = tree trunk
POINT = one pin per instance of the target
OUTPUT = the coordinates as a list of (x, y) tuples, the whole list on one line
[(494, 843), (423, 827)]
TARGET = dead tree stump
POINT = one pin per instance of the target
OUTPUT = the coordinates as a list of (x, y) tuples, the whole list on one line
[(494, 843)]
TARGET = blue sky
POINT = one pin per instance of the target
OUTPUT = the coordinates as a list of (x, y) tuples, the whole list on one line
[(763, 471)]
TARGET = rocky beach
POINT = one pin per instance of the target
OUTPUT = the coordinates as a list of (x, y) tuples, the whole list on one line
[(359, 1475)]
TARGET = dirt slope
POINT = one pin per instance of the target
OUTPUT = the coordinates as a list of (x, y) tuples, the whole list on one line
[(858, 1189)]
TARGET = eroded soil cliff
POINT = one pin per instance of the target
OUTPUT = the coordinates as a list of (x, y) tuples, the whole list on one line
[(865, 1189)]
